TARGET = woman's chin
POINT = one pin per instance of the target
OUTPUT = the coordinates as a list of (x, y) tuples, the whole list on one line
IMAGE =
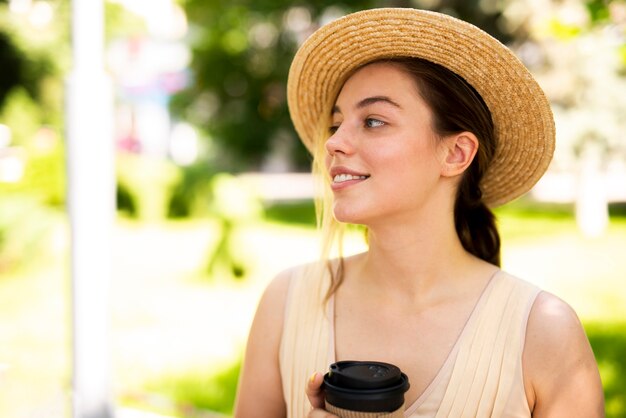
[(349, 216)]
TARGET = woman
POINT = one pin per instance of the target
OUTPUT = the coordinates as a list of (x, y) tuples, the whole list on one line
[(419, 123)]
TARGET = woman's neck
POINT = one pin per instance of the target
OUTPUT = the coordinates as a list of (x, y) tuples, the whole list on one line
[(416, 259)]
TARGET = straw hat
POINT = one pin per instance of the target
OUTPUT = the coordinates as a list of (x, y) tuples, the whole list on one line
[(524, 125)]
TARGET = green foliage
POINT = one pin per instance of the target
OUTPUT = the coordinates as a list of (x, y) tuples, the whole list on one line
[(144, 186), (126, 201), (617, 210), (31, 54), (120, 23), (201, 390), (24, 223), (622, 54), (10, 65), (233, 205), (32, 60), (190, 196), (45, 177), (564, 31), (598, 10), (608, 341), (527, 220), (298, 212), (39, 148), (22, 115), (238, 94)]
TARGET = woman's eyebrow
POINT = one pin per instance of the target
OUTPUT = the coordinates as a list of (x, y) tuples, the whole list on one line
[(369, 101)]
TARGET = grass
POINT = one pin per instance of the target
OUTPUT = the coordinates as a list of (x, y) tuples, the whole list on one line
[(299, 212), (197, 391), (525, 221), (608, 341)]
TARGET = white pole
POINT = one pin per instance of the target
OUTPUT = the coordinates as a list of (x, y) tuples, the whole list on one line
[(91, 201)]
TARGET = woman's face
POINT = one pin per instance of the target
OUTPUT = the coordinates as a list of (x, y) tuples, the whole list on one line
[(383, 157)]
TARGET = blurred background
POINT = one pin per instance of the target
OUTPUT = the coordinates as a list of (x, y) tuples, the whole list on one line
[(213, 197)]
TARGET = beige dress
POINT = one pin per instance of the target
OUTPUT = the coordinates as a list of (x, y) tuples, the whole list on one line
[(482, 376)]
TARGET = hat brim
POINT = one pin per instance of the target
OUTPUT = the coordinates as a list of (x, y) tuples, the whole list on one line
[(523, 121)]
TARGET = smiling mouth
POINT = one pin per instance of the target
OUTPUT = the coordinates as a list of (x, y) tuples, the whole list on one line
[(340, 178)]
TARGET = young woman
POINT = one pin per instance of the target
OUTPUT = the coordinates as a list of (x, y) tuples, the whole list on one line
[(419, 123)]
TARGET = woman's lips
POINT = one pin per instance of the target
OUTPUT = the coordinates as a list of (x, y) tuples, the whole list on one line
[(345, 178)]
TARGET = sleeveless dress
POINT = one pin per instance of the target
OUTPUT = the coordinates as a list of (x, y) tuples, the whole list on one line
[(481, 377)]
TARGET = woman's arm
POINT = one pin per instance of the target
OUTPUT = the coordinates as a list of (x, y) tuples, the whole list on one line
[(260, 391), (560, 371)]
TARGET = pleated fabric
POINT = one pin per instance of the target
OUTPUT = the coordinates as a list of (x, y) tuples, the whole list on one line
[(481, 378), (487, 379)]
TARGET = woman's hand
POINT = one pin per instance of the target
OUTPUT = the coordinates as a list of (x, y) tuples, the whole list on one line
[(316, 396)]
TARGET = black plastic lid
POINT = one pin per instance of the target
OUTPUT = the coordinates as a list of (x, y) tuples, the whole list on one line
[(363, 375), (369, 386)]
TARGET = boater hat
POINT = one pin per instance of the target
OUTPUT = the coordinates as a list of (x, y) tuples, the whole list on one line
[(521, 114)]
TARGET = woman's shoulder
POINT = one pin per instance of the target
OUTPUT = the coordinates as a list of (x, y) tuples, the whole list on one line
[(558, 312), (558, 359), (551, 320), (277, 290), (552, 324)]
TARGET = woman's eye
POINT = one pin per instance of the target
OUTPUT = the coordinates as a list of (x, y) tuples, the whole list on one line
[(333, 129), (373, 123)]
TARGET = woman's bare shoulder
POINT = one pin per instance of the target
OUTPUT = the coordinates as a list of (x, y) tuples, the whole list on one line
[(559, 364), (260, 385), (278, 287), (551, 318), (274, 299)]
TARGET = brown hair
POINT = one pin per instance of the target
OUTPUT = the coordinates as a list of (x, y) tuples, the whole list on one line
[(458, 107)]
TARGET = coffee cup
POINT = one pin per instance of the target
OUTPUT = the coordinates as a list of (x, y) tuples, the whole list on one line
[(365, 389)]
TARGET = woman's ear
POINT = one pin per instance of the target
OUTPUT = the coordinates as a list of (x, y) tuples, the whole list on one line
[(459, 150)]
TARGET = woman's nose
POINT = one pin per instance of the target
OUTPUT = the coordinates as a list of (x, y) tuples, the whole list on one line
[(339, 143)]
